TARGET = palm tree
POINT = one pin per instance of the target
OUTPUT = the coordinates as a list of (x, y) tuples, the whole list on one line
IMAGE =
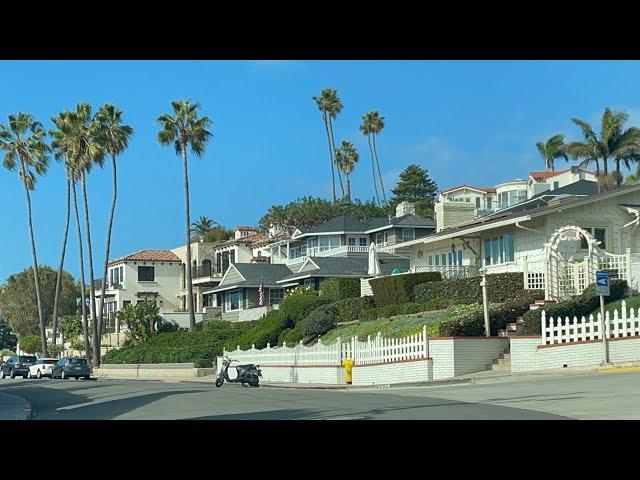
[(202, 226), (115, 139), (184, 129), (346, 158), (633, 178), (625, 149), (335, 107), (326, 103), (26, 149), (377, 124), (551, 150), (367, 128), (61, 143)]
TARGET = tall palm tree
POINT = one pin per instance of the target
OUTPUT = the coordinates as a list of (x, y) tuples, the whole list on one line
[(625, 149), (346, 158), (326, 104), (335, 107), (377, 124), (183, 129), (367, 129), (587, 150), (61, 145), (551, 150), (202, 226), (633, 178), (114, 136), (26, 150)]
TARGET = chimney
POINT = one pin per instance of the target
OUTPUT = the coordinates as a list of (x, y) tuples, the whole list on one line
[(275, 230), (451, 214), (405, 208)]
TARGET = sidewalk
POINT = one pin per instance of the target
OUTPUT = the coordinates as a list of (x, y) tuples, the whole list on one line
[(13, 407)]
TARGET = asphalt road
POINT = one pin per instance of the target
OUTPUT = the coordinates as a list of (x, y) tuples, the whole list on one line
[(583, 396)]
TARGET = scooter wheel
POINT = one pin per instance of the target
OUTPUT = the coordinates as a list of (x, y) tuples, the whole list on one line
[(219, 382)]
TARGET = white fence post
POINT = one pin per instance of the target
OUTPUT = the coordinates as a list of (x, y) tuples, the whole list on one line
[(543, 320), (425, 339)]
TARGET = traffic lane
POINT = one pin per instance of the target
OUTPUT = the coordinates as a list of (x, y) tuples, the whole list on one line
[(130, 399), (581, 396)]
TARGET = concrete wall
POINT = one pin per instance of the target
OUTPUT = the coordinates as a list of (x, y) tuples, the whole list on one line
[(454, 356), (528, 354), (161, 370), (396, 372), (450, 214)]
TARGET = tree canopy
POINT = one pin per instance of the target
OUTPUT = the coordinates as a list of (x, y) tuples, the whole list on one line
[(417, 187), (8, 339), (18, 299)]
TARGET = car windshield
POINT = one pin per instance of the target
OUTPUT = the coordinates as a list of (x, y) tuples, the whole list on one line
[(78, 361), (27, 359)]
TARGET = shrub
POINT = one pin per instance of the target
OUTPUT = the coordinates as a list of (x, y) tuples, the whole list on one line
[(320, 321), (349, 309), (266, 330), (336, 289), (296, 307), (291, 335), (396, 289), (31, 344), (390, 311), (578, 306), (472, 325), (500, 288)]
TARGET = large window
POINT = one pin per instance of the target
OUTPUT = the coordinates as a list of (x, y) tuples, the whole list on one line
[(329, 243), (116, 275), (408, 234), (275, 295), (382, 239), (445, 259), (600, 234), (234, 300), (500, 249), (146, 274)]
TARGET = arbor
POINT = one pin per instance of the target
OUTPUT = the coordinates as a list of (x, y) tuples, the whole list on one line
[(415, 186), (18, 294), (26, 151), (330, 106), (184, 129), (346, 158), (551, 150), (114, 139)]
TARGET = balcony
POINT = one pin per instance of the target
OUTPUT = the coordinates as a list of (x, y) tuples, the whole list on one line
[(114, 286), (204, 273), (336, 251)]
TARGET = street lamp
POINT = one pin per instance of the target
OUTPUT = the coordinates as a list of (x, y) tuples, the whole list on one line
[(485, 306)]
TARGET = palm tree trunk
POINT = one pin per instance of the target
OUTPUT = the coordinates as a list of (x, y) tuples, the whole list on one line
[(348, 189), (597, 167), (192, 317), (373, 169), (56, 298), (333, 175), (333, 153), (107, 248), (384, 195), (34, 258), (83, 302), (605, 161), (618, 175), (92, 287)]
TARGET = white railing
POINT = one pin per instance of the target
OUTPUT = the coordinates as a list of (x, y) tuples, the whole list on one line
[(385, 350), (449, 271), (318, 354), (567, 330)]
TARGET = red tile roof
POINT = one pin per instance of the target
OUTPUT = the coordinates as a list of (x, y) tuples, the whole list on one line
[(545, 174), (149, 256)]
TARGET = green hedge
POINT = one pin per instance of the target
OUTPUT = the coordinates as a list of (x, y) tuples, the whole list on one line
[(291, 335), (396, 289), (500, 288), (581, 305), (297, 307), (349, 309), (201, 347), (320, 321), (267, 330), (335, 289), (472, 325), (390, 311)]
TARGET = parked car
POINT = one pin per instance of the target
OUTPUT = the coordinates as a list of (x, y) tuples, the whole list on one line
[(17, 365), (42, 367), (68, 367)]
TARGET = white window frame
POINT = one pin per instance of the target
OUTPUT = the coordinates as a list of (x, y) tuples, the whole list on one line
[(413, 234), (227, 301)]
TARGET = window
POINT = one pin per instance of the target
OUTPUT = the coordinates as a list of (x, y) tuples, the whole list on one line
[(363, 241), (233, 300), (489, 203), (146, 274), (556, 185), (600, 234), (351, 241), (408, 234), (499, 249), (275, 295), (329, 243), (477, 202), (430, 262)]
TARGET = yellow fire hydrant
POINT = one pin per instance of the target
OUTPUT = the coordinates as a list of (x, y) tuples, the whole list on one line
[(348, 365)]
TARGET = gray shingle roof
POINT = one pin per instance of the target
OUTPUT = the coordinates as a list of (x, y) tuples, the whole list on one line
[(345, 223), (348, 267), (257, 273)]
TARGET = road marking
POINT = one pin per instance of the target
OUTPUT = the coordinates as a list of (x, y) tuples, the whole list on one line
[(619, 369)]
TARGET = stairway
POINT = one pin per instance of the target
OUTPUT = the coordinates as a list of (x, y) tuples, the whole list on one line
[(515, 328), (502, 364)]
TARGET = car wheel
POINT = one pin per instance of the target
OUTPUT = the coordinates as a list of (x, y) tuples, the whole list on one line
[(87, 377), (77, 378), (2, 374), (12, 375), (39, 374), (62, 375)]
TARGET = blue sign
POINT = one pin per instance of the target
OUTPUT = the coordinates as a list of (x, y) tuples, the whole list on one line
[(602, 283)]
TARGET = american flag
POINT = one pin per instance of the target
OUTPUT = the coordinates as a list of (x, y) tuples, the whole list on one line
[(261, 292)]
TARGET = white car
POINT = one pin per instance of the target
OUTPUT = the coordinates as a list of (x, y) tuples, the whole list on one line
[(42, 368)]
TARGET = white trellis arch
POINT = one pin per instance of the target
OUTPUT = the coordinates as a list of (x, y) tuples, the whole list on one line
[(568, 277)]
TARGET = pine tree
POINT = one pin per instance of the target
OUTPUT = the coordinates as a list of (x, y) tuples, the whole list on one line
[(417, 187)]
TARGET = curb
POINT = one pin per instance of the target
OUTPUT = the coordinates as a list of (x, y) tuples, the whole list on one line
[(434, 383), (632, 368)]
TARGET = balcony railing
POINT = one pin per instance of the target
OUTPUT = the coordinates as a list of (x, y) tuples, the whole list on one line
[(449, 271), (204, 271)]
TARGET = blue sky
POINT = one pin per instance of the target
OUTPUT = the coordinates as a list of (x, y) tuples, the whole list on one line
[(465, 121)]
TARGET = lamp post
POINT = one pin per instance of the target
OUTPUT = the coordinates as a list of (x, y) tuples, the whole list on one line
[(485, 306)]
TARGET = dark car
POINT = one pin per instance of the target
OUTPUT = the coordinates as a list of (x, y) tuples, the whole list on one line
[(68, 367), (17, 365)]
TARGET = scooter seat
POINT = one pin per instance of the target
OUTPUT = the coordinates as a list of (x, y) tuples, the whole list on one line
[(245, 367)]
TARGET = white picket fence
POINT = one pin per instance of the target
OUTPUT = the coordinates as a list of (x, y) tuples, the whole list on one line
[(567, 330), (385, 350), (371, 351)]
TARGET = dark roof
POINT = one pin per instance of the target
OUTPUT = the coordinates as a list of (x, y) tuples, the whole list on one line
[(256, 273), (345, 223), (348, 267)]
